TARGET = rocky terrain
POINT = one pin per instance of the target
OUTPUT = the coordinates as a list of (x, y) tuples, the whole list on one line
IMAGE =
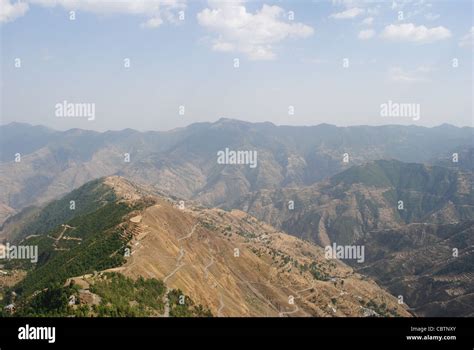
[(431, 265), (408, 250), (228, 262), (366, 198), (236, 240), (39, 164)]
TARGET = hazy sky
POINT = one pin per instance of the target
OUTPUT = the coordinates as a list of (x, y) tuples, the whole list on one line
[(291, 59)]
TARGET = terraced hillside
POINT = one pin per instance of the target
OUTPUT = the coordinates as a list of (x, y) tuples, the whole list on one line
[(227, 262)]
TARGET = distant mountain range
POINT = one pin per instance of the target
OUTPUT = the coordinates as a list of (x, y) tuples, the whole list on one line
[(183, 162)]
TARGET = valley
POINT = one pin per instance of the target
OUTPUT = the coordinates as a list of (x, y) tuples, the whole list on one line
[(157, 213), (227, 262), (182, 162)]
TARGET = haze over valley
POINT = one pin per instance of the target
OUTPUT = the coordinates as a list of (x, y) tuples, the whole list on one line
[(231, 158)]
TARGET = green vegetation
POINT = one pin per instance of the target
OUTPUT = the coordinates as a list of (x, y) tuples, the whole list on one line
[(391, 173), (246, 234), (209, 225), (256, 251), (422, 189), (98, 233), (316, 271), (119, 296), (381, 309), (88, 198), (183, 306), (370, 175), (123, 297), (51, 302), (102, 247)]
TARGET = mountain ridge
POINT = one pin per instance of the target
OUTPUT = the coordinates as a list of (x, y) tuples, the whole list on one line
[(233, 120), (226, 261), (183, 162)]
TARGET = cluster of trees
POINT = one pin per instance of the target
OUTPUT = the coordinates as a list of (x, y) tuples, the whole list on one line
[(381, 309), (86, 199), (50, 302), (124, 297), (102, 247), (120, 296), (183, 306), (316, 271)]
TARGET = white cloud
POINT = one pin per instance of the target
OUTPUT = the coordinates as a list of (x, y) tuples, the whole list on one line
[(368, 21), (251, 34), (366, 34), (415, 8), (153, 10), (412, 33), (10, 11), (349, 13), (468, 39)]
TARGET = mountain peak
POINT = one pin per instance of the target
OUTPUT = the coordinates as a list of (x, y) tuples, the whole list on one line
[(125, 189)]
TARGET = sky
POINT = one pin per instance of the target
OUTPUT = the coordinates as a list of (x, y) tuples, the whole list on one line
[(162, 64)]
